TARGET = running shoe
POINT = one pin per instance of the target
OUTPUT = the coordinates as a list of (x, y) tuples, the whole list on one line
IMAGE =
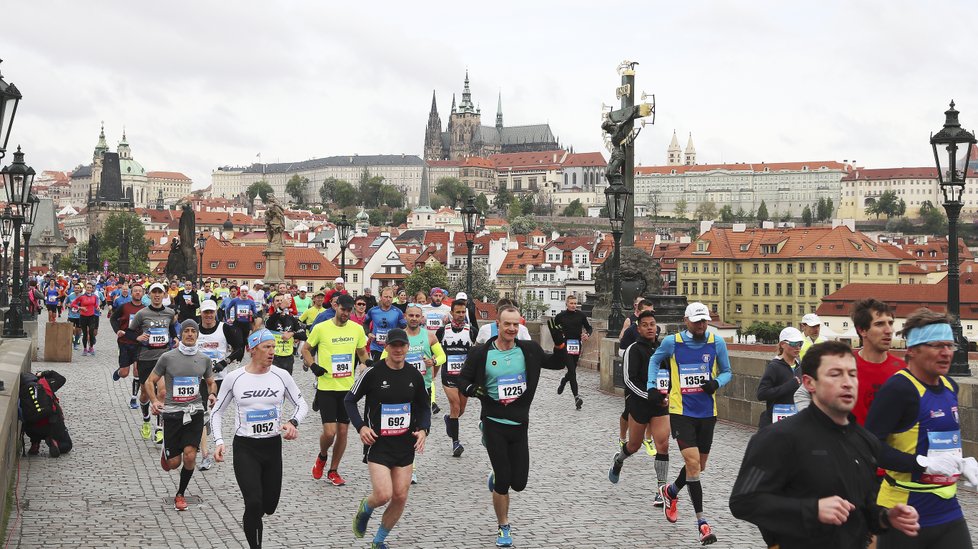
[(435, 410), (115, 376), (180, 503), (414, 478), (133, 404), (317, 469), (91, 351), (504, 538), (615, 472), (146, 430), (35, 449), (163, 462), (707, 536), (578, 401), (74, 347), (560, 388), (335, 478), (84, 351), (491, 482), (159, 436), (649, 447), (53, 449), (457, 449), (360, 519), (206, 463), (657, 501), (670, 504)]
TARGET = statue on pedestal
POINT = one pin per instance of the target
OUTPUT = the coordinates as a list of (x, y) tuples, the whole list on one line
[(275, 223), (182, 261)]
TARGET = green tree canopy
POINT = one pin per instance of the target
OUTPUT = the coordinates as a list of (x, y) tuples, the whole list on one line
[(344, 195), (706, 211), (482, 203), (391, 196), (370, 191), (806, 216), (762, 214), (502, 200), (575, 209), (454, 191), (327, 192), (296, 188), (726, 214), (111, 239), (765, 332), (423, 279), (888, 204), (680, 209), (261, 189), (522, 225), (483, 287)]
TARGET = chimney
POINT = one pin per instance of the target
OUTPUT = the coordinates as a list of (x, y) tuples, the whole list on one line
[(739, 227), (767, 224)]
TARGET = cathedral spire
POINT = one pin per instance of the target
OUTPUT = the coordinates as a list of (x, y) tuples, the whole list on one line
[(466, 105), (499, 112), (434, 106), (674, 153), (102, 147), (690, 152), (453, 103)]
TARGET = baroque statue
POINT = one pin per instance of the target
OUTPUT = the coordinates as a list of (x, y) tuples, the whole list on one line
[(275, 223)]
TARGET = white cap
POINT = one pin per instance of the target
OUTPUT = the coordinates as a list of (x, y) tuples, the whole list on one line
[(791, 335), (208, 305), (339, 280), (157, 285), (243, 288), (811, 319), (696, 312), (461, 296), (259, 283)]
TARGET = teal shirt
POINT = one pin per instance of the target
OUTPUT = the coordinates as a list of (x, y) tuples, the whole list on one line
[(419, 349), (507, 368)]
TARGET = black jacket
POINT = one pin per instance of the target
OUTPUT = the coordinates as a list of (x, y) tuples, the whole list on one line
[(474, 372), (777, 386), (636, 368), (792, 464)]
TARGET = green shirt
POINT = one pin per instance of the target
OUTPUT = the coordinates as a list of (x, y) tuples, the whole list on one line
[(302, 304), (419, 348), (506, 370)]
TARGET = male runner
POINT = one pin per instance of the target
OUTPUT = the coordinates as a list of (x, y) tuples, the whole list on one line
[(336, 341), (186, 302), (309, 315), (436, 313), (242, 312), (915, 416), (811, 326), (153, 325), (74, 315), (456, 339), (631, 336), (302, 302), (258, 391), (183, 409), (222, 344), (503, 374), (397, 423), (122, 315), (577, 330), (382, 319), (698, 365), (287, 330)]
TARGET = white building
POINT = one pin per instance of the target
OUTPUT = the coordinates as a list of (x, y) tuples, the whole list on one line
[(862, 187)]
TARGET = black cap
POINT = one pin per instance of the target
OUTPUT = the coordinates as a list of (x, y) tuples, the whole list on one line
[(397, 335), (344, 301)]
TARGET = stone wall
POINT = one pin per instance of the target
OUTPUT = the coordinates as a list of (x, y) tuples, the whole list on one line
[(15, 357)]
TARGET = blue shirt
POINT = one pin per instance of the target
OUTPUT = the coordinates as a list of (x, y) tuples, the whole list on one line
[(120, 301), (327, 314), (692, 404), (383, 322), (241, 311)]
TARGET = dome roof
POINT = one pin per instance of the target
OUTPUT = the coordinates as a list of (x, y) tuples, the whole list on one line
[(128, 166)]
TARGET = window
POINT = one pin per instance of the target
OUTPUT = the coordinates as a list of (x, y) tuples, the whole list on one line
[(685, 267), (716, 288), (889, 270), (695, 288), (756, 269), (789, 309), (739, 269), (685, 288), (756, 285), (789, 288), (754, 308), (825, 289), (767, 288), (356, 277), (777, 309), (767, 309), (767, 268), (716, 268), (879, 269), (825, 268), (706, 288), (554, 295), (789, 268), (696, 267), (838, 286), (777, 269), (738, 288), (813, 289), (801, 268), (231, 264), (258, 264), (714, 307), (814, 268), (838, 268), (706, 267), (777, 289), (738, 308), (214, 264), (315, 267)]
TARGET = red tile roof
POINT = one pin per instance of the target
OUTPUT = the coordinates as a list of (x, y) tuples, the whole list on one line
[(244, 259), (167, 175), (537, 159), (802, 242), (575, 160), (874, 174), (516, 261), (478, 162), (744, 167), (904, 298)]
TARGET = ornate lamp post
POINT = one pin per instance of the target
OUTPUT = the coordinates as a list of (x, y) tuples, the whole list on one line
[(6, 231), (470, 220), (124, 249), (9, 99), (30, 214), (951, 177), (18, 178), (201, 243), (618, 197), (343, 233)]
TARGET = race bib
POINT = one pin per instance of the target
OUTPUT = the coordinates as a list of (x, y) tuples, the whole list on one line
[(243, 313), (942, 442), (380, 336), (454, 365), (185, 388), (435, 320), (131, 318), (262, 422), (158, 337), (52, 299), (417, 360), (662, 381), (342, 365), (187, 299), (573, 346), (691, 376), (511, 387), (394, 419), (781, 411)]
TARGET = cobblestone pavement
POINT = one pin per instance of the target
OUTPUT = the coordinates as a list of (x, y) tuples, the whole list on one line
[(110, 491)]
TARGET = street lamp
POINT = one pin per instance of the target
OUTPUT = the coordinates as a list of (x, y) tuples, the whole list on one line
[(124, 248), (470, 220), (18, 178), (343, 233), (617, 197), (9, 99), (30, 215), (201, 243), (6, 231), (952, 178)]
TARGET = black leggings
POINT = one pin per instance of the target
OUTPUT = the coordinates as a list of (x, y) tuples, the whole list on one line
[(258, 469), (509, 454), (571, 375), (953, 535), (88, 325)]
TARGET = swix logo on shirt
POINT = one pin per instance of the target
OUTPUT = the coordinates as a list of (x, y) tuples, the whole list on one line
[(269, 393)]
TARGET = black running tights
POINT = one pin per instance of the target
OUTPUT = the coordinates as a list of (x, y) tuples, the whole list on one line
[(571, 375), (509, 454), (88, 325), (258, 469)]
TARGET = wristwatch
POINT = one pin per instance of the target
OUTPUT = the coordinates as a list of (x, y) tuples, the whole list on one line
[(294, 422)]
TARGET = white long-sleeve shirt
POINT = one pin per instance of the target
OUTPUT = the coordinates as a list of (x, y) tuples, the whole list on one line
[(259, 399)]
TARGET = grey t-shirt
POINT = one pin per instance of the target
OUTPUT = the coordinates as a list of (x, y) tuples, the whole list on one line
[(182, 374), (157, 325)]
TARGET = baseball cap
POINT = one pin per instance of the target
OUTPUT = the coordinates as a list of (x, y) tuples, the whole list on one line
[(461, 296), (791, 335), (811, 319), (696, 312), (344, 301), (258, 283), (339, 280), (397, 335), (302, 290), (208, 305), (157, 286)]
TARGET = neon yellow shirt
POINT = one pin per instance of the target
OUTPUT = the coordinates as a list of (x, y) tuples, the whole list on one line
[(336, 350)]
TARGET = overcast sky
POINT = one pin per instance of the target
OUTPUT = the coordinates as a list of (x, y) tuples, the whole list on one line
[(201, 84)]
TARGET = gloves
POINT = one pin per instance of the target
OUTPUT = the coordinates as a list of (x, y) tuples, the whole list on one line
[(969, 470), (556, 332), (368, 364), (710, 387), (941, 464), (474, 390), (656, 398), (219, 365), (317, 369)]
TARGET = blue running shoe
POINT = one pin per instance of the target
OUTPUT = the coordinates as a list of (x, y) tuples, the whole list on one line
[(492, 481), (133, 404), (504, 538), (115, 376), (615, 472), (361, 519)]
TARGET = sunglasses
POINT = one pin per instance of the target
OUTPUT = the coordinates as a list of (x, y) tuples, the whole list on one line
[(794, 344)]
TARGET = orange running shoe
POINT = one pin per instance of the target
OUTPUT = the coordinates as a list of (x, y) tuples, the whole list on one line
[(317, 469)]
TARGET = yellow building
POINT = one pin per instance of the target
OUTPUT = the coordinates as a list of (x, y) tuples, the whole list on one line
[(778, 275)]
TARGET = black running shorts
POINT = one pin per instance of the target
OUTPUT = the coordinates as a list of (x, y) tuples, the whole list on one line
[(392, 452), (177, 436), (331, 407), (693, 432)]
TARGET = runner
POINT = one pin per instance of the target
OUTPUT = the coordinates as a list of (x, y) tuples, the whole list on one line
[(698, 365), (781, 379), (258, 391), (309, 315), (915, 416), (382, 319), (87, 305), (338, 289), (222, 344), (456, 339), (631, 336), (186, 302), (503, 375), (491, 329), (811, 326), (647, 407), (302, 302), (181, 369), (436, 313), (153, 324), (577, 330), (359, 314), (287, 330), (242, 311), (397, 423), (809, 480), (122, 316), (52, 296), (336, 342)]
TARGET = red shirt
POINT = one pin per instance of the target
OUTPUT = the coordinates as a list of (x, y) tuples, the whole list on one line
[(87, 303), (871, 377)]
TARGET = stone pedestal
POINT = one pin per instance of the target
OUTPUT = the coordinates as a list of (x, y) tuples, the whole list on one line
[(274, 266)]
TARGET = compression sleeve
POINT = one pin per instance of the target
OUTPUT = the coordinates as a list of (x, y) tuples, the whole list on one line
[(894, 410), (665, 350), (438, 354), (723, 361)]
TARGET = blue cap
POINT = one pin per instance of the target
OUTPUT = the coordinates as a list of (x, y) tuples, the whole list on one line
[(257, 338)]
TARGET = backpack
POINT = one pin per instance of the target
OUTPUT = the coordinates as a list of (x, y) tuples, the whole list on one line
[(37, 400)]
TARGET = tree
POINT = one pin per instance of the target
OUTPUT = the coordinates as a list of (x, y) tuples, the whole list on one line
[(296, 188), (575, 209), (765, 332), (887, 204), (654, 205), (901, 225), (437, 202), (706, 211), (391, 196), (454, 191), (935, 220), (344, 195), (327, 193), (261, 189), (680, 209), (762, 215), (483, 287), (370, 191), (742, 215), (515, 210), (423, 279), (111, 239), (806, 216), (502, 200), (399, 217), (786, 217), (726, 214), (522, 225), (482, 203)]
